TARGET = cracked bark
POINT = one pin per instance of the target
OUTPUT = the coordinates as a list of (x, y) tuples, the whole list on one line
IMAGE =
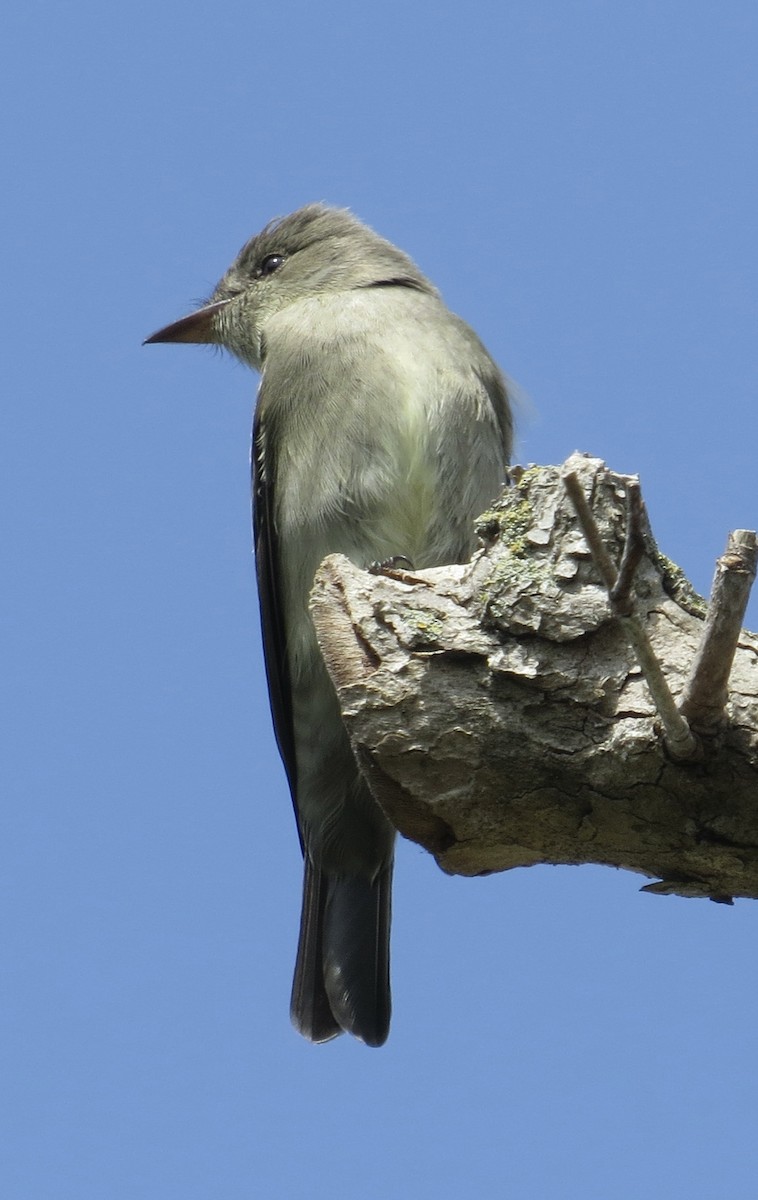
[(502, 720)]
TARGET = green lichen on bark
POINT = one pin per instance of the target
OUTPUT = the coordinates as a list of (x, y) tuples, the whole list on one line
[(510, 518), (677, 585)]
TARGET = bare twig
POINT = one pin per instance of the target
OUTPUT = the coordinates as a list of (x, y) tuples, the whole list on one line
[(634, 547), (679, 739), (705, 693), (600, 555)]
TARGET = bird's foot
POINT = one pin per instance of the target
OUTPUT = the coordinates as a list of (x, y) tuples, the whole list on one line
[(390, 569)]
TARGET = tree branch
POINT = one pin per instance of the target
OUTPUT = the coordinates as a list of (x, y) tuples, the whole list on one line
[(501, 716)]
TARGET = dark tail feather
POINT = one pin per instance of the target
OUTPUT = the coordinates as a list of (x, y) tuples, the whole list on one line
[(342, 973), (309, 1008), (356, 954)]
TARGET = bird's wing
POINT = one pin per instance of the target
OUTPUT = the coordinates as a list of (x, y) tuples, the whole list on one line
[(269, 596), (493, 382), (497, 390)]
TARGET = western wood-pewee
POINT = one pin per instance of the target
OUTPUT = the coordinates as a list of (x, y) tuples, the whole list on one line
[(382, 429)]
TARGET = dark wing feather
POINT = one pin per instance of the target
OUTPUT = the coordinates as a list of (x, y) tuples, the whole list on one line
[(267, 568)]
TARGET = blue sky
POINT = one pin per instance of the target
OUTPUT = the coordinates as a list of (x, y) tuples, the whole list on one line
[(580, 181)]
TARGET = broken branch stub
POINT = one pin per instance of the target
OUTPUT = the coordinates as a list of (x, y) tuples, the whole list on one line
[(501, 716)]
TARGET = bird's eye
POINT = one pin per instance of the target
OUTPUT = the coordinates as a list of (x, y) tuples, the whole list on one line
[(271, 263)]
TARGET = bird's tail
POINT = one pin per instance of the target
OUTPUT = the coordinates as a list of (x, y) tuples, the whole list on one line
[(342, 979)]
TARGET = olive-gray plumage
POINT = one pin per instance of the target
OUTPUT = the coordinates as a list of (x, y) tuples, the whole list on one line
[(382, 428)]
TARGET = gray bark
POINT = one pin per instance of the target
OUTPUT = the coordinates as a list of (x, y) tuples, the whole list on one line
[(501, 716)]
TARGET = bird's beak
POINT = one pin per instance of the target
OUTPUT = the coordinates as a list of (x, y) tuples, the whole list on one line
[(199, 326)]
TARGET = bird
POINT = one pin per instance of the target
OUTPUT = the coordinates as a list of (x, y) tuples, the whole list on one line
[(382, 429)]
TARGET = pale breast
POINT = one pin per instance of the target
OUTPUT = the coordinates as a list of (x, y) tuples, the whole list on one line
[(386, 441)]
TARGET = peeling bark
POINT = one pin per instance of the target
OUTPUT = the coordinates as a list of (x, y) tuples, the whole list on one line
[(501, 716)]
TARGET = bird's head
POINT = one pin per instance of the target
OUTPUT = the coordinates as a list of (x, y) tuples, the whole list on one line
[(312, 252)]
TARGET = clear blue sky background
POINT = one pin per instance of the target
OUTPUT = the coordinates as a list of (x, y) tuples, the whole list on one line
[(580, 180)]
